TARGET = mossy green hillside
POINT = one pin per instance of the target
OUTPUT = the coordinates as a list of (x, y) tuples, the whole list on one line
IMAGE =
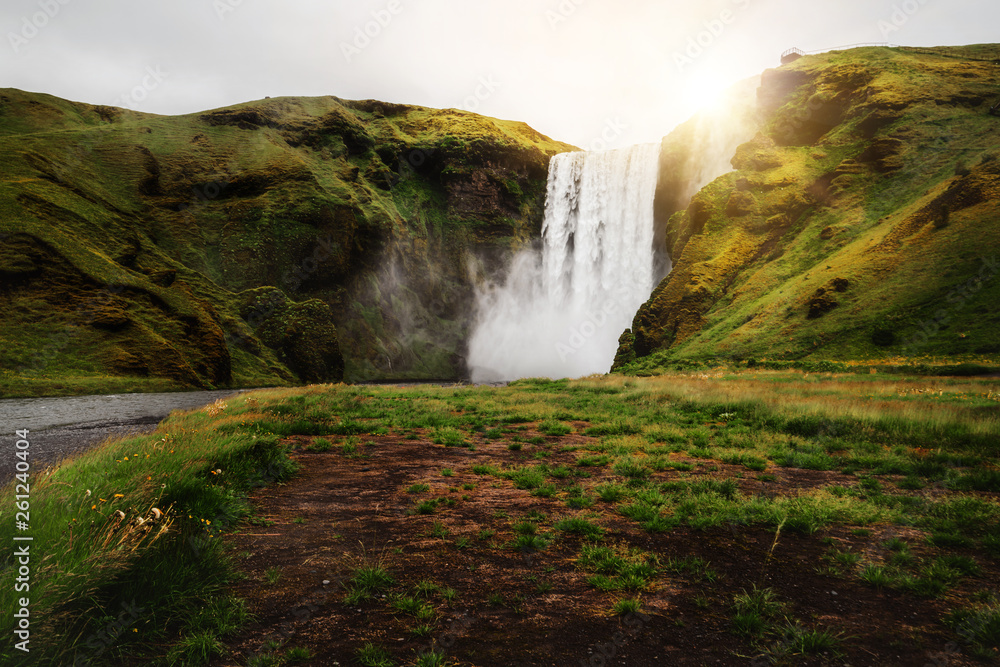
[(860, 223), (133, 243)]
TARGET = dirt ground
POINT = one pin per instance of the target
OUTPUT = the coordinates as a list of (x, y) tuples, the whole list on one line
[(514, 608)]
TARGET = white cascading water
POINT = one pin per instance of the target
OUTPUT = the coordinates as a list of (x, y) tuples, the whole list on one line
[(560, 313)]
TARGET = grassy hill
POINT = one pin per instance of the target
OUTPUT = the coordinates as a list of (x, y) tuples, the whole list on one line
[(272, 242), (860, 223)]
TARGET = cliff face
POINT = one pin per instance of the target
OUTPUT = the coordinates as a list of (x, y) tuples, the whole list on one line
[(700, 150), (860, 222), (290, 239)]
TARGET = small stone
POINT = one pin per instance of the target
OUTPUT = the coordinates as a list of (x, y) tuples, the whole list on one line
[(326, 581)]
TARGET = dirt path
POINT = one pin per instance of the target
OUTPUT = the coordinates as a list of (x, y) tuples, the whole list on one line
[(536, 608)]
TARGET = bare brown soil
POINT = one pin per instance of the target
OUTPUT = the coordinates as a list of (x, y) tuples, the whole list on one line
[(357, 511)]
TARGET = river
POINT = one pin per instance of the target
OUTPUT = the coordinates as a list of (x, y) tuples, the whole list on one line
[(62, 426)]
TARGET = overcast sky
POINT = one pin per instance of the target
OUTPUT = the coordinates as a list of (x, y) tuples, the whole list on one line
[(629, 70)]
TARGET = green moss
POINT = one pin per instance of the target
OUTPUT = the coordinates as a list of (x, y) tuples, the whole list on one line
[(358, 215), (852, 183)]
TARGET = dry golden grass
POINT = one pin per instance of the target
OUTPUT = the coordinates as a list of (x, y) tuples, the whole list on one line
[(922, 400)]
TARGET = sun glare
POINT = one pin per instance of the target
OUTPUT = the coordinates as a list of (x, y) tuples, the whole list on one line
[(706, 92)]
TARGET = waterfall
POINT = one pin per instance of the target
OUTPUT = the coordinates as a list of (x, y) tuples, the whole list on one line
[(560, 311)]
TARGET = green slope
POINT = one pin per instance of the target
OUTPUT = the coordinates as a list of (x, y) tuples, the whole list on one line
[(278, 241), (860, 223)]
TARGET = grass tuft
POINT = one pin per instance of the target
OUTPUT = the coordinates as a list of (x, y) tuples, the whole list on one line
[(371, 655)]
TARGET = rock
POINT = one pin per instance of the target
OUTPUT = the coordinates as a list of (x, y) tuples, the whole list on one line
[(110, 316), (777, 85), (877, 120), (303, 334), (126, 363), (626, 349), (884, 154), (883, 337), (821, 303), (740, 203), (164, 278), (849, 166)]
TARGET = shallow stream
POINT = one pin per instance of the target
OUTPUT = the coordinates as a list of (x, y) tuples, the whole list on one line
[(58, 427)]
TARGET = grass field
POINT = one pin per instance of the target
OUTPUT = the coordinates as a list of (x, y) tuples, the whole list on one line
[(714, 511)]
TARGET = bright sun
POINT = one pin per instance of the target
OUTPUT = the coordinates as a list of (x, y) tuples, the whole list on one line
[(706, 92)]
